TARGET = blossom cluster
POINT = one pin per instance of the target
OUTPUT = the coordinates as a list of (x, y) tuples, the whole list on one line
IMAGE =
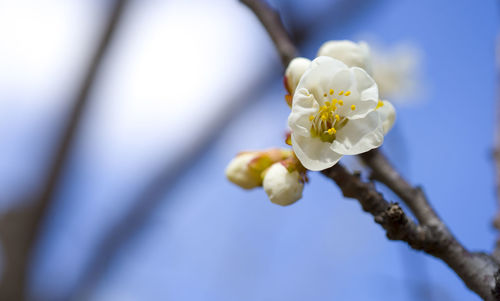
[(335, 111)]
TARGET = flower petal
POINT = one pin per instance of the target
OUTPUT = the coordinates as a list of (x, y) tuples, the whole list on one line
[(303, 106), (313, 153), (359, 135), (364, 94), (320, 77), (387, 115), (326, 74)]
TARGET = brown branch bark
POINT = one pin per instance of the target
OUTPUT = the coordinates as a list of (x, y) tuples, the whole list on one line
[(479, 271), (390, 216), (20, 227), (383, 172)]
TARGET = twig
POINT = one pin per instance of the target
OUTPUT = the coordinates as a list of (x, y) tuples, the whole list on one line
[(478, 270), (20, 227)]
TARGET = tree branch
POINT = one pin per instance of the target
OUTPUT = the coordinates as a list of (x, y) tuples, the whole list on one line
[(390, 216), (478, 270), (447, 248), (19, 228), (384, 172)]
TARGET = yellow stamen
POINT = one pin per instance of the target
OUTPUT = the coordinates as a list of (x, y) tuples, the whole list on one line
[(337, 117), (331, 91), (379, 104), (334, 101), (347, 93), (353, 107), (341, 92), (323, 108), (323, 117), (327, 103), (334, 108), (341, 102), (332, 131), (311, 117)]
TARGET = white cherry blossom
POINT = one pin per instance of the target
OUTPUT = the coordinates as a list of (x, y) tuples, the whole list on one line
[(336, 111)]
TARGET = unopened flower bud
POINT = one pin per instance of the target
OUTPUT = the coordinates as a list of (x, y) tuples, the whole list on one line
[(282, 186), (294, 72), (350, 53), (239, 172), (245, 170)]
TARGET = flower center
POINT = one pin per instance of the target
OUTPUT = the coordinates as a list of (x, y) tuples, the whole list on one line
[(327, 120)]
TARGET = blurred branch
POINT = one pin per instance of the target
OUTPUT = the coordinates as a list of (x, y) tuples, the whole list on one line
[(153, 194), (478, 270), (20, 227)]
